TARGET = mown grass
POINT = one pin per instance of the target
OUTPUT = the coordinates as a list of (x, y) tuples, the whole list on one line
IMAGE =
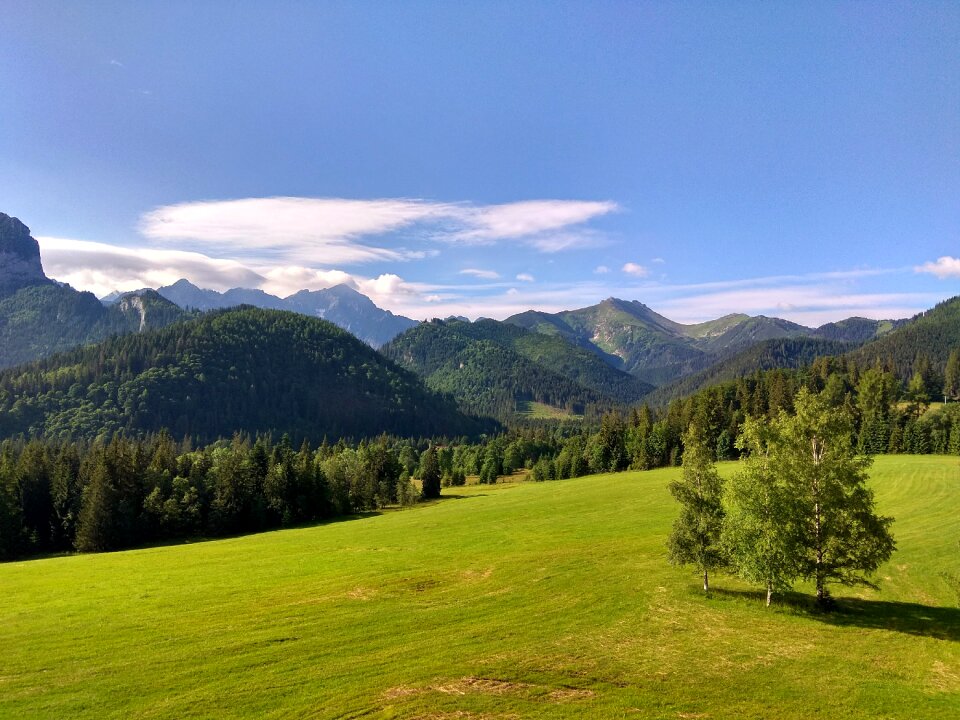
[(542, 411), (526, 600)]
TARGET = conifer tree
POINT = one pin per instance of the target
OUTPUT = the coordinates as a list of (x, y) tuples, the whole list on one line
[(430, 474)]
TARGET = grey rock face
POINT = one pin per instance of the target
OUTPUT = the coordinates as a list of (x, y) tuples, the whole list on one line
[(19, 257)]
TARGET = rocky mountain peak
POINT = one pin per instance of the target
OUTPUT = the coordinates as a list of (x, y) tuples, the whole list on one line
[(19, 257)]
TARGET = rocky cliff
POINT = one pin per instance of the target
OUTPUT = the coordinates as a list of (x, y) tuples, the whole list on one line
[(19, 257)]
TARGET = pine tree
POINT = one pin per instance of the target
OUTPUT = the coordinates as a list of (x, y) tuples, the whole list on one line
[(430, 474), (951, 385)]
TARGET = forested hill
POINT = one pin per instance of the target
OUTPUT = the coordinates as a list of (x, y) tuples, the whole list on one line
[(782, 353), (40, 320), (490, 366), (245, 370), (922, 344)]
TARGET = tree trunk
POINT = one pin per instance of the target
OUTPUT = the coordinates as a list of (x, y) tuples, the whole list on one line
[(769, 593), (706, 581), (818, 569)]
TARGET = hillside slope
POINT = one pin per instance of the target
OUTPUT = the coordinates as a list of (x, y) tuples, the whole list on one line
[(237, 370), (490, 366), (764, 355), (928, 337), (39, 317), (632, 337), (541, 600)]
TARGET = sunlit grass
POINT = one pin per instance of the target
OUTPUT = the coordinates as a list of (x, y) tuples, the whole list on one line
[(522, 600), (541, 411)]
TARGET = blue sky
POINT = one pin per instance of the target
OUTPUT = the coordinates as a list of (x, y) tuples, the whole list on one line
[(481, 158)]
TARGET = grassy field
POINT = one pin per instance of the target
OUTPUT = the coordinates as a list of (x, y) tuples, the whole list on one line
[(517, 601), (541, 411)]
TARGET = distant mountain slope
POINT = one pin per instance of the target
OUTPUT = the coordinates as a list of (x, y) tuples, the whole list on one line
[(631, 336), (246, 370), (490, 366), (341, 305), (39, 317), (929, 336), (856, 329), (765, 355)]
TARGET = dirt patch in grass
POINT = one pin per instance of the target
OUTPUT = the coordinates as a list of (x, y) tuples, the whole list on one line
[(944, 678), (488, 686), (570, 694), (361, 593), (399, 692), (463, 715), (478, 574)]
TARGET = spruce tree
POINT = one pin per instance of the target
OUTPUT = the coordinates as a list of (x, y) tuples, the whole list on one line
[(430, 474)]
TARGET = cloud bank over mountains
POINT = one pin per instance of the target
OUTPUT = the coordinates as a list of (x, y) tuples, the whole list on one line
[(285, 244)]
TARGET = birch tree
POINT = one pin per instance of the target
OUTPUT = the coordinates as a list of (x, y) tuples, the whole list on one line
[(695, 538), (841, 537), (760, 531)]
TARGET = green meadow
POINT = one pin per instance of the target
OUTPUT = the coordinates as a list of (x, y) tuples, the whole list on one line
[(521, 600)]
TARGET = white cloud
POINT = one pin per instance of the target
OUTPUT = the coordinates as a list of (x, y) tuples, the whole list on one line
[(601, 270), (102, 268), (658, 260), (287, 279), (482, 274), (635, 269), (310, 231), (559, 242), (527, 218), (328, 231), (944, 267), (526, 277)]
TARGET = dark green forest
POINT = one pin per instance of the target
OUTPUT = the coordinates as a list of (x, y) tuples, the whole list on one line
[(168, 434), (40, 320), (241, 370), (119, 492), (488, 366)]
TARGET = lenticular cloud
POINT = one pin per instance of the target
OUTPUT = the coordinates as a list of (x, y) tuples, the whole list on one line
[(332, 230)]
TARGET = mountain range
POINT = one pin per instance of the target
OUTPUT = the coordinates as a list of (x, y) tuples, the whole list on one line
[(341, 305), (39, 316), (632, 337), (575, 362)]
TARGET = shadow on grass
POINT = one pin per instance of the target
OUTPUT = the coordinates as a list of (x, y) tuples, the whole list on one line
[(197, 539), (942, 623)]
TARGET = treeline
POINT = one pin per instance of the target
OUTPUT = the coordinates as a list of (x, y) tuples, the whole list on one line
[(123, 492), (886, 416), (120, 492)]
